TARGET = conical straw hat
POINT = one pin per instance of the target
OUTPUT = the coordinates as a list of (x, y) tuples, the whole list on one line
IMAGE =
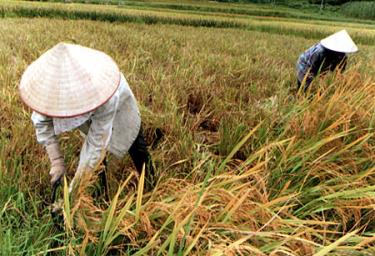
[(340, 42), (69, 80)]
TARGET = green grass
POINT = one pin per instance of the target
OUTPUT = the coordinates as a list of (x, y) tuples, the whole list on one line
[(242, 167), (362, 10), (311, 12), (248, 9), (361, 34)]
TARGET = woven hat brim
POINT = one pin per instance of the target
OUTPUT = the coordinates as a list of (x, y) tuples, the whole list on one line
[(69, 80), (340, 42)]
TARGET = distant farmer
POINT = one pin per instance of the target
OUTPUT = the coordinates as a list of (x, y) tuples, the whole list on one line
[(71, 86), (327, 55)]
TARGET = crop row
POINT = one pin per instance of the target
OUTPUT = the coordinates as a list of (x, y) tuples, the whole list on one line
[(239, 171), (313, 31), (363, 9)]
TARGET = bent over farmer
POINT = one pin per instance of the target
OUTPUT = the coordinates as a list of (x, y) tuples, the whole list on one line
[(71, 86), (327, 55)]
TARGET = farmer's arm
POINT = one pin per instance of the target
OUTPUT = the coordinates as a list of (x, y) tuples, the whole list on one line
[(316, 63), (308, 65), (97, 139), (341, 63), (344, 63), (45, 135)]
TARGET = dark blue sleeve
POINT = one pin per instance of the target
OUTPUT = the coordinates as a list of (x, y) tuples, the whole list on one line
[(316, 60)]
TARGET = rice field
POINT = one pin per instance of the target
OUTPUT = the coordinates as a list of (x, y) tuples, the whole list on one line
[(246, 165), (363, 9)]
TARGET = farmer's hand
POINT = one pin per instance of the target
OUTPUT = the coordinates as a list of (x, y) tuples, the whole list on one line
[(57, 171), (57, 163)]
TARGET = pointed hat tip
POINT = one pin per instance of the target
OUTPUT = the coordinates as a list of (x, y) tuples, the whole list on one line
[(340, 42), (61, 46)]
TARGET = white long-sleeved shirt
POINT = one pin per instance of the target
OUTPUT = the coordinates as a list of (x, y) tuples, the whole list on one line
[(112, 126)]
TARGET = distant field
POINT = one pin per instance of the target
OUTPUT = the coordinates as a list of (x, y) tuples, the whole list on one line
[(246, 164), (275, 10), (363, 9), (362, 33)]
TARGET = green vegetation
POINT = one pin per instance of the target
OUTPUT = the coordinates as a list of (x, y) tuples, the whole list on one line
[(299, 10), (331, 2), (363, 10), (244, 9), (246, 165), (315, 30)]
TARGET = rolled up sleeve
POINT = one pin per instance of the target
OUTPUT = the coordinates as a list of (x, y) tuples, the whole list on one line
[(45, 133)]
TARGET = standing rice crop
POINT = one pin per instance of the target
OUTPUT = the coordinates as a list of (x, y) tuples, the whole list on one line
[(236, 175)]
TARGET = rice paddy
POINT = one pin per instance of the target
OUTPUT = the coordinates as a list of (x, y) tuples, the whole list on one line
[(246, 165), (363, 9)]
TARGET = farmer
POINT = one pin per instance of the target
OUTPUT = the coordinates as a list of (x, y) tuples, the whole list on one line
[(71, 86), (327, 55)]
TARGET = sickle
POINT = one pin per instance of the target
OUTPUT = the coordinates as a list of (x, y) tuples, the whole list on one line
[(55, 214)]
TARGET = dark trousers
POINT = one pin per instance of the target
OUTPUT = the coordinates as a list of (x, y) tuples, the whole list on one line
[(140, 156), (299, 86), (306, 84)]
